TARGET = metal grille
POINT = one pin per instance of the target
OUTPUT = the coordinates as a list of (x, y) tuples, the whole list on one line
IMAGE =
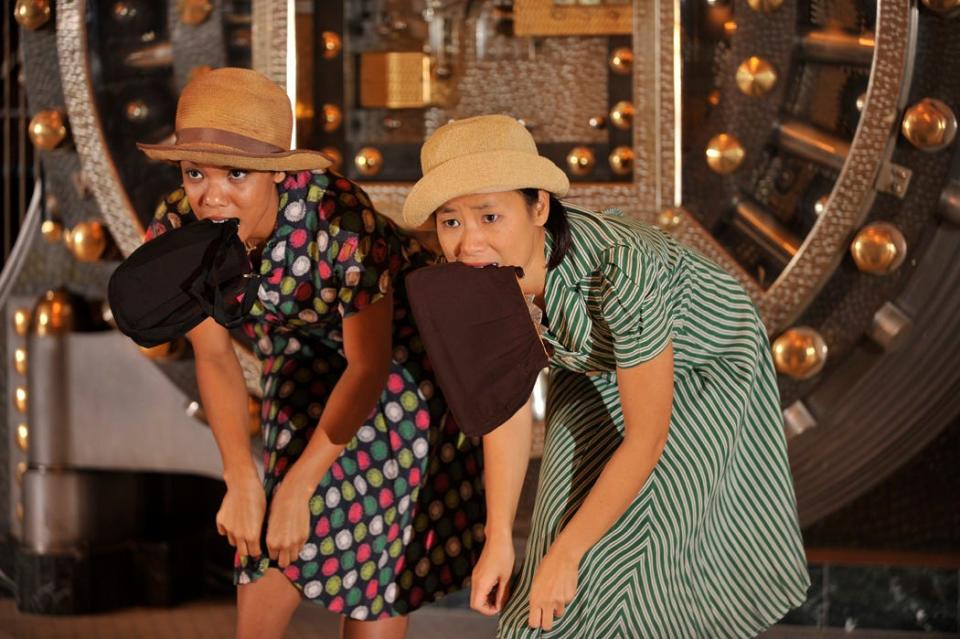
[(19, 161)]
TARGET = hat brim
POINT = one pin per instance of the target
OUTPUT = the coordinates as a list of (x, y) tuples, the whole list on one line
[(486, 172), (296, 160)]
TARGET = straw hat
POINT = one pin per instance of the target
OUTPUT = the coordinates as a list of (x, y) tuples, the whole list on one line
[(484, 154), (235, 118)]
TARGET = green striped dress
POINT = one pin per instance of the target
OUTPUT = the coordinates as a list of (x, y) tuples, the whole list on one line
[(710, 547)]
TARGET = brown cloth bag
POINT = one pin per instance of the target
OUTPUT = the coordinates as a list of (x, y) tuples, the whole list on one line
[(480, 339)]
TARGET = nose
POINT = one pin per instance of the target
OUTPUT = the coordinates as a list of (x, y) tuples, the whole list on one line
[(214, 195), (472, 242)]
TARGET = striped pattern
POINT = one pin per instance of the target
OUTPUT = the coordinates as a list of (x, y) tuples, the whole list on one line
[(710, 547)]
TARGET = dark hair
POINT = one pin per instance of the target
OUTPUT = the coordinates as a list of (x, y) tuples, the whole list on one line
[(557, 225)]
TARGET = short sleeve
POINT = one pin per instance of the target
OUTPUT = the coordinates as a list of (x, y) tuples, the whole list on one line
[(171, 213), (634, 306), (364, 250)]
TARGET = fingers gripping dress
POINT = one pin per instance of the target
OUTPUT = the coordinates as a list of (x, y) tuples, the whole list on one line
[(397, 520), (710, 548)]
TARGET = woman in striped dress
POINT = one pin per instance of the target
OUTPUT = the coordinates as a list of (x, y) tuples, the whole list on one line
[(665, 506)]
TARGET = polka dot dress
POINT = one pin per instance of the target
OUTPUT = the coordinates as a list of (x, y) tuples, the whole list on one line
[(398, 519)]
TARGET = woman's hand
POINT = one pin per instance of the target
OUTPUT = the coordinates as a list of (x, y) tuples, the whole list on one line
[(289, 525), (490, 583), (554, 585), (241, 513)]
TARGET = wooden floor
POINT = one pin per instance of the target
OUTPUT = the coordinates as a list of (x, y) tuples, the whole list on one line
[(215, 620)]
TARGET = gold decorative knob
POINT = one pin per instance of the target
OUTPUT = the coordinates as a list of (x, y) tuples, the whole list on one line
[(621, 61), (755, 76), (52, 231), (332, 117), (136, 110), (20, 399), (861, 102), (598, 122), (335, 157), (820, 206), (53, 313), (21, 321), (724, 153), (330, 45), (765, 6), (21, 469), (194, 12), (942, 7), (20, 361), (730, 28), (713, 98), (369, 161), (621, 115), (31, 14), (621, 160), (47, 130), (23, 436), (800, 352), (580, 161), (87, 241), (930, 125), (879, 248), (670, 219)]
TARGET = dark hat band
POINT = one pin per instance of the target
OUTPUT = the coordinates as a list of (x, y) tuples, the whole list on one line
[(226, 138)]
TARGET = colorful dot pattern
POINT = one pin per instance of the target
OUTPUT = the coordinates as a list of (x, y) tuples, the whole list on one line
[(398, 519)]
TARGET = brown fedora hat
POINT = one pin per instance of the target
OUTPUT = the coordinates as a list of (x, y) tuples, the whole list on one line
[(235, 118)]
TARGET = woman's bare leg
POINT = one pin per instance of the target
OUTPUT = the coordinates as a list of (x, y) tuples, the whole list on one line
[(265, 606), (390, 628)]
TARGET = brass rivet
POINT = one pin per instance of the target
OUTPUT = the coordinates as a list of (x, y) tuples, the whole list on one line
[(930, 125), (669, 219), (330, 45), (332, 117), (20, 361), (31, 14), (621, 61), (21, 321), (580, 161), (53, 313), (800, 352), (20, 399), (47, 130), (879, 248), (621, 115), (755, 76), (724, 153), (52, 231), (621, 160), (369, 161), (87, 241), (765, 6)]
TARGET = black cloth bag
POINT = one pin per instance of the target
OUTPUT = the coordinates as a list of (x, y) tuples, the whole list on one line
[(481, 341), (173, 282)]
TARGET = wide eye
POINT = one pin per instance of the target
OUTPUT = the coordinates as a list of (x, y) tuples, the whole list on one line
[(193, 174), (237, 174), (489, 218)]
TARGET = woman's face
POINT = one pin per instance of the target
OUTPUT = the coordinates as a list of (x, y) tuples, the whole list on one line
[(220, 193), (493, 228)]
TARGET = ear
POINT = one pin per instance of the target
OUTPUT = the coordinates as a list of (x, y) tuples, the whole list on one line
[(279, 176), (541, 211)]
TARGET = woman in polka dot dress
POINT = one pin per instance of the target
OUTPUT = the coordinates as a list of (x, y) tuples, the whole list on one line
[(371, 502)]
